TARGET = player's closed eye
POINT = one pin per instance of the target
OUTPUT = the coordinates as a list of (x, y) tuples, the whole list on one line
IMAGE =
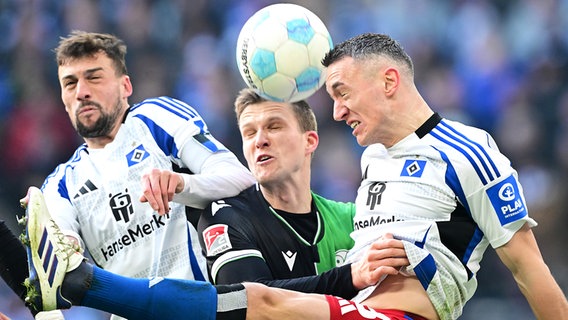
[(248, 134), (69, 84)]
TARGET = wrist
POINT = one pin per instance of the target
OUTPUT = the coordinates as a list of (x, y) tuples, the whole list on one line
[(183, 184), (356, 276)]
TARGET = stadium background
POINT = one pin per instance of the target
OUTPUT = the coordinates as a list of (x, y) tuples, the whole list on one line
[(500, 65)]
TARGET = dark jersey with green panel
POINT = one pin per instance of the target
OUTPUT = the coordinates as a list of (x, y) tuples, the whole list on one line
[(245, 239)]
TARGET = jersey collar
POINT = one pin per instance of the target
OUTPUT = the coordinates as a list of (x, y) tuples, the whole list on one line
[(427, 126)]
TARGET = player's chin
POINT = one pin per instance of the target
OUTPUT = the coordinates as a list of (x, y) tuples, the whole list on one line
[(87, 120), (265, 177), (262, 177), (361, 140)]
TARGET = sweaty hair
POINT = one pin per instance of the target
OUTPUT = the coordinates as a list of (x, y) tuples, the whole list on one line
[(304, 113), (81, 44), (369, 45)]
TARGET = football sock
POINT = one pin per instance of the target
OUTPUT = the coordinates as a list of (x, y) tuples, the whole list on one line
[(157, 298), (231, 302), (77, 282)]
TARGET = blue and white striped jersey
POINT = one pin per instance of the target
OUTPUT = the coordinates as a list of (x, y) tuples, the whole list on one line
[(448, 193), (95, 195)]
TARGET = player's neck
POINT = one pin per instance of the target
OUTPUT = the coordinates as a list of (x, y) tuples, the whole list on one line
[(288, 197), (98, 142), (102, 141)]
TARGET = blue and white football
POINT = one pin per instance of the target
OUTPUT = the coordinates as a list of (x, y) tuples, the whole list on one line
[(279, 52)]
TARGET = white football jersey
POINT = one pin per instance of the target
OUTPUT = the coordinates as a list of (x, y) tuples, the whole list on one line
[(95, 195), (448, 193)]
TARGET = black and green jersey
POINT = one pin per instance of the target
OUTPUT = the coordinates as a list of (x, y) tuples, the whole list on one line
[(245, 239)]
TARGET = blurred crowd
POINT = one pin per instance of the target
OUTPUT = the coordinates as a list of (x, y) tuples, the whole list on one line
[(499, 65)]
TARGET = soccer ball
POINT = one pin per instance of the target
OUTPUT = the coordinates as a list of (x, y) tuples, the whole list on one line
[(279, 52)]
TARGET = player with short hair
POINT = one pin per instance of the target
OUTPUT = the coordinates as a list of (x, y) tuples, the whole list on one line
[(440, 186), (279, 230), (128, 158), (123, 194)]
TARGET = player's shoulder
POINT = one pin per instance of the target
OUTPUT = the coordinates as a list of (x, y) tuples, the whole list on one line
[(457, 131), (241, 205), (241, 211), (76, 158), (164, 104), (59, 178), (471, 150)]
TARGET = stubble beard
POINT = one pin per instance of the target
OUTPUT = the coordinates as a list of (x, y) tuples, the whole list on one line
[(104, 124)]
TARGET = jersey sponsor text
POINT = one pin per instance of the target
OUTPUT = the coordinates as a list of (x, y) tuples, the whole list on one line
[(374, 221), (133, 234)]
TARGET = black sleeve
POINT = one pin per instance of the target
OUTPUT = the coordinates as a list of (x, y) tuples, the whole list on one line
[(13, 262), (251, 269), (336, 282), (248, 268)]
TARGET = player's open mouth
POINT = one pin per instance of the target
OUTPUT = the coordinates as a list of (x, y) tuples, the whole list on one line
[(263, 158), (354, 124)]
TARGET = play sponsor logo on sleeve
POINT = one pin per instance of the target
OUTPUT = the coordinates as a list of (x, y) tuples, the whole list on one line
[(507, 201)]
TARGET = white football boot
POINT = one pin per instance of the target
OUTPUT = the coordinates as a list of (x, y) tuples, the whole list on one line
[(50, 255)]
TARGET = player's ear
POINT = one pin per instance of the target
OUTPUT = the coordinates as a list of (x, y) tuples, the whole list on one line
[(127, 86), (312, 141), (391, 80)]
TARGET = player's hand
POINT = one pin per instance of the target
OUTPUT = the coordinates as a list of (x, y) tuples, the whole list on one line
[(159, 187), (384, 257)]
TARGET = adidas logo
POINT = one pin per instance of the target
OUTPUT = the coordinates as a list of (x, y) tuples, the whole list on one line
[(46, 252), (87, 187)]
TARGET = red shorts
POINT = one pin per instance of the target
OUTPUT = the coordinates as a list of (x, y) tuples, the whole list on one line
[(340, 308)]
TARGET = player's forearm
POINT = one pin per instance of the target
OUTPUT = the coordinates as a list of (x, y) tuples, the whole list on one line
[(227, 180), (544, 295), (336, 281), (522, 256)]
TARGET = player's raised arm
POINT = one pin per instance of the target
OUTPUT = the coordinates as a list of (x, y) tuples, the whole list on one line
[(522, 256)]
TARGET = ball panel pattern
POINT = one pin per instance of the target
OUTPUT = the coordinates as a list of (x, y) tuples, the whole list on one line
[(279, 52)]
